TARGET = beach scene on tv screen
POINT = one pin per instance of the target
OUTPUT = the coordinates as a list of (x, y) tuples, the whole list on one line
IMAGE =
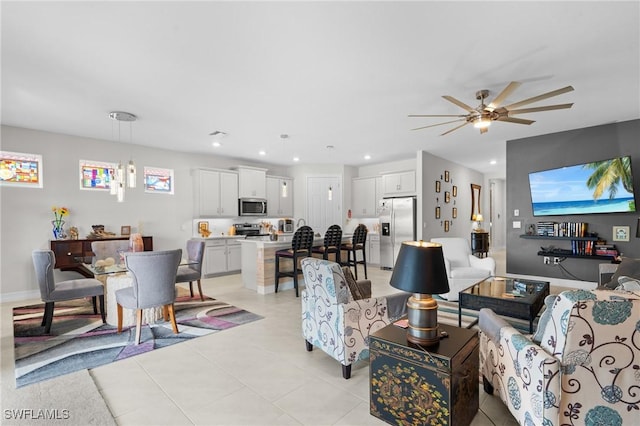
[(598, 187)]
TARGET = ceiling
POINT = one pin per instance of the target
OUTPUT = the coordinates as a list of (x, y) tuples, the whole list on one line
[(344, 74)]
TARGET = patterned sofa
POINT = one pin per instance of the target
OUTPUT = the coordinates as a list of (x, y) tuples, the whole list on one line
[(336, 322), (584, 370)]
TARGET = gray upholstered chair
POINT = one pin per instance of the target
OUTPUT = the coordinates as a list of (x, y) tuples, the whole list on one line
[(51, 292), (154, 284), (193, 271)]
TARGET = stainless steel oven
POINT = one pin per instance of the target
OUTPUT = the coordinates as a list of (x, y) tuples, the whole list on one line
[(252, 207)]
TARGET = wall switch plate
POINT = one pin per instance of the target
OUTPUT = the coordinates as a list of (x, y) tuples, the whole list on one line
[(517, 224), (516, 212)]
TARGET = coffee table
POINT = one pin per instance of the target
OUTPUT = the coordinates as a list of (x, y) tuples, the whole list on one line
[(512, 297)]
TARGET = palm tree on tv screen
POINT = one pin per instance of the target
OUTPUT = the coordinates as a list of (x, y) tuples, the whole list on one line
[(608, 174)]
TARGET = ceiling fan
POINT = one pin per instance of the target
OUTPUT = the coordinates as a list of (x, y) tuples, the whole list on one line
[(482, 116)]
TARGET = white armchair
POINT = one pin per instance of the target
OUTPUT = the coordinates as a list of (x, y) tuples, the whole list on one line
[(463, 268)]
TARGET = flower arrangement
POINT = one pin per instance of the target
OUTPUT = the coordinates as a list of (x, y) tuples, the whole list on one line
[(58, 214)]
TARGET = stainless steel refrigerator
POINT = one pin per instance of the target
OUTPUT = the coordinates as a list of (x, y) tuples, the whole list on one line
[(397, 224)]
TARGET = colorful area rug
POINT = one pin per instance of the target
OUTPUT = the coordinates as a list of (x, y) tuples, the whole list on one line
[(448, 314), (79, 340)]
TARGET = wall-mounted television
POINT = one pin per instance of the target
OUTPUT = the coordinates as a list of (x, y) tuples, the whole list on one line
[(599, 187)]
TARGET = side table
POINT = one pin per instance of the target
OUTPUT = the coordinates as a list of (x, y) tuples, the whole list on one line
[(480, 244), (411, 384)]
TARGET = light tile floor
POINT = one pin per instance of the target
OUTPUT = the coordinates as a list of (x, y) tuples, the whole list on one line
[(258, 373)]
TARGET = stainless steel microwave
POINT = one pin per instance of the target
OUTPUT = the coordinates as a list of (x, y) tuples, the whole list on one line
[(252, 207)]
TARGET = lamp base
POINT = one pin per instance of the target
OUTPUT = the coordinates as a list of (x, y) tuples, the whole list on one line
[(422, 315)]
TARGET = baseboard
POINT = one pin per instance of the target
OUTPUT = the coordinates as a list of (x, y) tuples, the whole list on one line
[(19, 296)]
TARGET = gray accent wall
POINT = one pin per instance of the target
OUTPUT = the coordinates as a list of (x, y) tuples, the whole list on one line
[(558, 150)]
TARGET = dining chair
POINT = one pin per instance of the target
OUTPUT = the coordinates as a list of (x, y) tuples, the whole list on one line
[(331, 243), (193, 271), (52, 292), (301, 245), (358, 243), (153, 276)]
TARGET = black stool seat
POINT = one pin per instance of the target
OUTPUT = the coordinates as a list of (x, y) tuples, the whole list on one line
[(332, 243), (301, 245), (357, 244)]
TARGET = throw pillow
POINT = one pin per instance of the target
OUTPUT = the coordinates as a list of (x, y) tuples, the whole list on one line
[(544, 318), (357, 292), (627, 268), (628, 284)]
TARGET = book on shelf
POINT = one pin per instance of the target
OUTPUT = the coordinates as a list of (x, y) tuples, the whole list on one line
[(562, 229)]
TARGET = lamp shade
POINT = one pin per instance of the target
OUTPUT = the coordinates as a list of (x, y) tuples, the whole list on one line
[(420, 268)]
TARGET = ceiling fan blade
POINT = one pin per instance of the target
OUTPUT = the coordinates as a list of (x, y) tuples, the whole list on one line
[(455, 128), (459, 103), (539, 109), (515, 120), (437, 115), (484, 130), (540, 97), (439, 124), (503, 95)]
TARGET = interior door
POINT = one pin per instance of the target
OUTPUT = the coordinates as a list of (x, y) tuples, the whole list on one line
[(324, 202)]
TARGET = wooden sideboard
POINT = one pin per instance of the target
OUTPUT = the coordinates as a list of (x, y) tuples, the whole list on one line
[(71, 254)]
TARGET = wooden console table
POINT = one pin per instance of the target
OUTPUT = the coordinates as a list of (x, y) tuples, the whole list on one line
[(71, 254), (411, 384)]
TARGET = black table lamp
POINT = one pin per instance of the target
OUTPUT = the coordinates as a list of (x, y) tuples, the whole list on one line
[(420, 269)]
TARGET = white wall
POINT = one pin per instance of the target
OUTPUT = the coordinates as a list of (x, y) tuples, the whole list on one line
[(26, 216)]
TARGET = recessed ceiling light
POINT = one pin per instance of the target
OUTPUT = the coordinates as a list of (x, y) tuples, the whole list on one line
[(262, 153), (296, 159), (367, 157), (492, 162), (216, 144)]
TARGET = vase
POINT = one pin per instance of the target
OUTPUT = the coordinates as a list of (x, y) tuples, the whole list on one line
[(58, 232)]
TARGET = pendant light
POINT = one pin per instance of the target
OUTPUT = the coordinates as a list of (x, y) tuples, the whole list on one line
[(284, 189), (123, 177)]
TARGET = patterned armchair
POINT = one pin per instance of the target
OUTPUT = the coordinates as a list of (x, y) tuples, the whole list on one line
[(585, 369), (336, 323)]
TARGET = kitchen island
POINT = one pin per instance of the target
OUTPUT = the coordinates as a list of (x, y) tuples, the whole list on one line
[(258, 263)]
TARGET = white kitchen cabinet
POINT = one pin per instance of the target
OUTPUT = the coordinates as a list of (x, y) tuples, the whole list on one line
[(234, 261), (221, 256), (252, 182), (364, 201), (373, 255), (402, 183), (277, 203), (216, 193)]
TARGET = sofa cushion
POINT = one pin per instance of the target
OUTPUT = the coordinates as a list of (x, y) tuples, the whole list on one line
[(629, 267), (469, 273), (628, 284)]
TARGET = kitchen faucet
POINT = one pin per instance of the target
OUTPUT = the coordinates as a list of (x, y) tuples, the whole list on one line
[(303, 222)]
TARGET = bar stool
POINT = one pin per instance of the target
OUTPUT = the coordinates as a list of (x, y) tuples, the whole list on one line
[(301, 245), (357, 244), (332, 242)]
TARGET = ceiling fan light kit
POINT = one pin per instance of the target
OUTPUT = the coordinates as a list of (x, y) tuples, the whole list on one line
[(482, 116)]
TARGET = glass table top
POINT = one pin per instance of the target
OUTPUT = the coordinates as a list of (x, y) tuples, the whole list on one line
[(121, 268), (511, 288)]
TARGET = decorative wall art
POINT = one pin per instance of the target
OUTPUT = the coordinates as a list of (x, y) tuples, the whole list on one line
[(19, 169), (446, 226), (475, 201), (438, 212), (125, 231), (447, 196), (159, 181), (96, 175), (437, 186), (620, 233), (446, 175), (454, 191), (454, 212)]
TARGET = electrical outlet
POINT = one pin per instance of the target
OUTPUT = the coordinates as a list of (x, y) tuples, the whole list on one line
[(556, 260), (547, 260)]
